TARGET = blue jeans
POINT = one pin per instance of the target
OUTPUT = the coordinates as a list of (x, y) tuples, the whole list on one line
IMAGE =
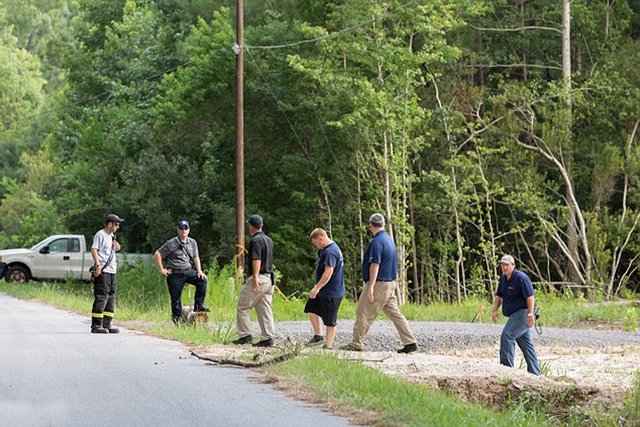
[(517, 331)]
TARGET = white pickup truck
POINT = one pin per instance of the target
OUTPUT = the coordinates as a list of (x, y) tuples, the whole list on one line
[(59, 257)]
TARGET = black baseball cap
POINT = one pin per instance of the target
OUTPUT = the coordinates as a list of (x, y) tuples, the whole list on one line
[(183, 225), (255, 220)]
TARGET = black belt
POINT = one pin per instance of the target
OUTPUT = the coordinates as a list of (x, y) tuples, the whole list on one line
[(180, 270)]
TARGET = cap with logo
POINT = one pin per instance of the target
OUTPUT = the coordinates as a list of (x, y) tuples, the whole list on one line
[(183, 225)]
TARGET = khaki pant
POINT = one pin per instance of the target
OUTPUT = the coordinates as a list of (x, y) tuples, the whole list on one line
[(261, 301), (386, 301)]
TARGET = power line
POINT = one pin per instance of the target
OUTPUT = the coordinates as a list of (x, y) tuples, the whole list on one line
[(344, 30)]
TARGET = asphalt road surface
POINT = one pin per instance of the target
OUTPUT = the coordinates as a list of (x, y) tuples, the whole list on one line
[(54, 372)]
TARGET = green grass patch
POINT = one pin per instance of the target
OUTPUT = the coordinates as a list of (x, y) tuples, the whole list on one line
[(399, 402)]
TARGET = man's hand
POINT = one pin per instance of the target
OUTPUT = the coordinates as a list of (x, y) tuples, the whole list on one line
[(530, 321), (370, 296), (98, 270), (494, 316), (166, 271), (201, 275), (116, 245), (314, 292), (254, 284)]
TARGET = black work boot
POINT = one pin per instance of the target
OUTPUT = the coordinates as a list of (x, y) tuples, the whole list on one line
[(247, 339), (106, 324), (96, 326)]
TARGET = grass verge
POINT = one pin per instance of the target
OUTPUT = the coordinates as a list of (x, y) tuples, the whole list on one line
[(399, 403)]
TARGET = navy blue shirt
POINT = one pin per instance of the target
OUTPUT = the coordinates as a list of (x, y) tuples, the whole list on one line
[(331, 256), (514, 292), (381, 250)]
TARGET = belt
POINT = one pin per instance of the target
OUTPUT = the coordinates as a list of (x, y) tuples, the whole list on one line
[(180, 270)]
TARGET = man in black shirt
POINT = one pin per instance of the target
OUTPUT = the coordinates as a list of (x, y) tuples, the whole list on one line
[(257, 290)]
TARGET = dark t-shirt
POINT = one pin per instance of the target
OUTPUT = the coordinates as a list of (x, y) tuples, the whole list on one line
[(381, 250), (260, 247), (331, 256), (173, 252), (514, 293)]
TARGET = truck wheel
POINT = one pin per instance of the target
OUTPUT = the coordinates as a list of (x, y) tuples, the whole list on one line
[(18, 274)]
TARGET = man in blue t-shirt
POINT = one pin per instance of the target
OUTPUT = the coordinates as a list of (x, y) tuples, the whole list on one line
[(379, 273), (326, 296), (515, 293)]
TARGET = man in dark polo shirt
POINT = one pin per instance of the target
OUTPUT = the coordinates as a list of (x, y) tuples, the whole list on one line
[(326, 296), (257, 290), (379, 273), (515, 293), (183, 266)]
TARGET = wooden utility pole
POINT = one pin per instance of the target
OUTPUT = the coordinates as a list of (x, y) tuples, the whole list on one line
[(239, 50)]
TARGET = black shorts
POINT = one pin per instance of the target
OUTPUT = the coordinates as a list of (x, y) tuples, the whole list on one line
[(326, 308)]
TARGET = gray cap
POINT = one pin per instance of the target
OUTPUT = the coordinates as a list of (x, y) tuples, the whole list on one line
[(507, 259), (377, 220), (113, 218)]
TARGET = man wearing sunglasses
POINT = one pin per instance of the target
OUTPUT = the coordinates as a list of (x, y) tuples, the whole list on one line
[(183, 266)]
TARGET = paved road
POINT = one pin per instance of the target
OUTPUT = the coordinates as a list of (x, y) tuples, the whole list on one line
[(53, 372)]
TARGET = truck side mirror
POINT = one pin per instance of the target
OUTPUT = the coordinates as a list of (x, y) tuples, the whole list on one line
[(44, 250)]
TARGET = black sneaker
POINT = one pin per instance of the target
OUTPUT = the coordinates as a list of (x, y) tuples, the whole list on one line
[(243, 340), (409, 348), (317, 339), (264, 343), (203, 308)]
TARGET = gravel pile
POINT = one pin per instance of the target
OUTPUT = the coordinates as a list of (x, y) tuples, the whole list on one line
[(444, 336)]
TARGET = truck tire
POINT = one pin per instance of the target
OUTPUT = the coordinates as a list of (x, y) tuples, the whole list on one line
[(18, 274)]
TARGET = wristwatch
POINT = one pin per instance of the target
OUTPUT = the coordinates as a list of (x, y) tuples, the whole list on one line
[(529, 314)]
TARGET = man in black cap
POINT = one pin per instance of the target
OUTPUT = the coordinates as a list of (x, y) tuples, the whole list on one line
[(257, 290), (103, 251), (183, 266)]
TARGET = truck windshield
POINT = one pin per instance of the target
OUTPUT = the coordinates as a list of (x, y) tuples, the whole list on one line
[(34, 247)]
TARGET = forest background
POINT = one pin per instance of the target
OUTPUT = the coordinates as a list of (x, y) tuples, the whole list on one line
[(476, 127)]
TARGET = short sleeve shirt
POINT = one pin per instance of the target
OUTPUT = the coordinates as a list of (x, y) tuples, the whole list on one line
[(260, 247), (331, 256), (381, 250), (173, 252), (514, 292), (103, 242)]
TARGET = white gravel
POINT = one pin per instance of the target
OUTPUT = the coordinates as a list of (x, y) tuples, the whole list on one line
[(447, 336)]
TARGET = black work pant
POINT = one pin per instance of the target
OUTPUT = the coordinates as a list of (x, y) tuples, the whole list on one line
[(176, 282), (104, 294)]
